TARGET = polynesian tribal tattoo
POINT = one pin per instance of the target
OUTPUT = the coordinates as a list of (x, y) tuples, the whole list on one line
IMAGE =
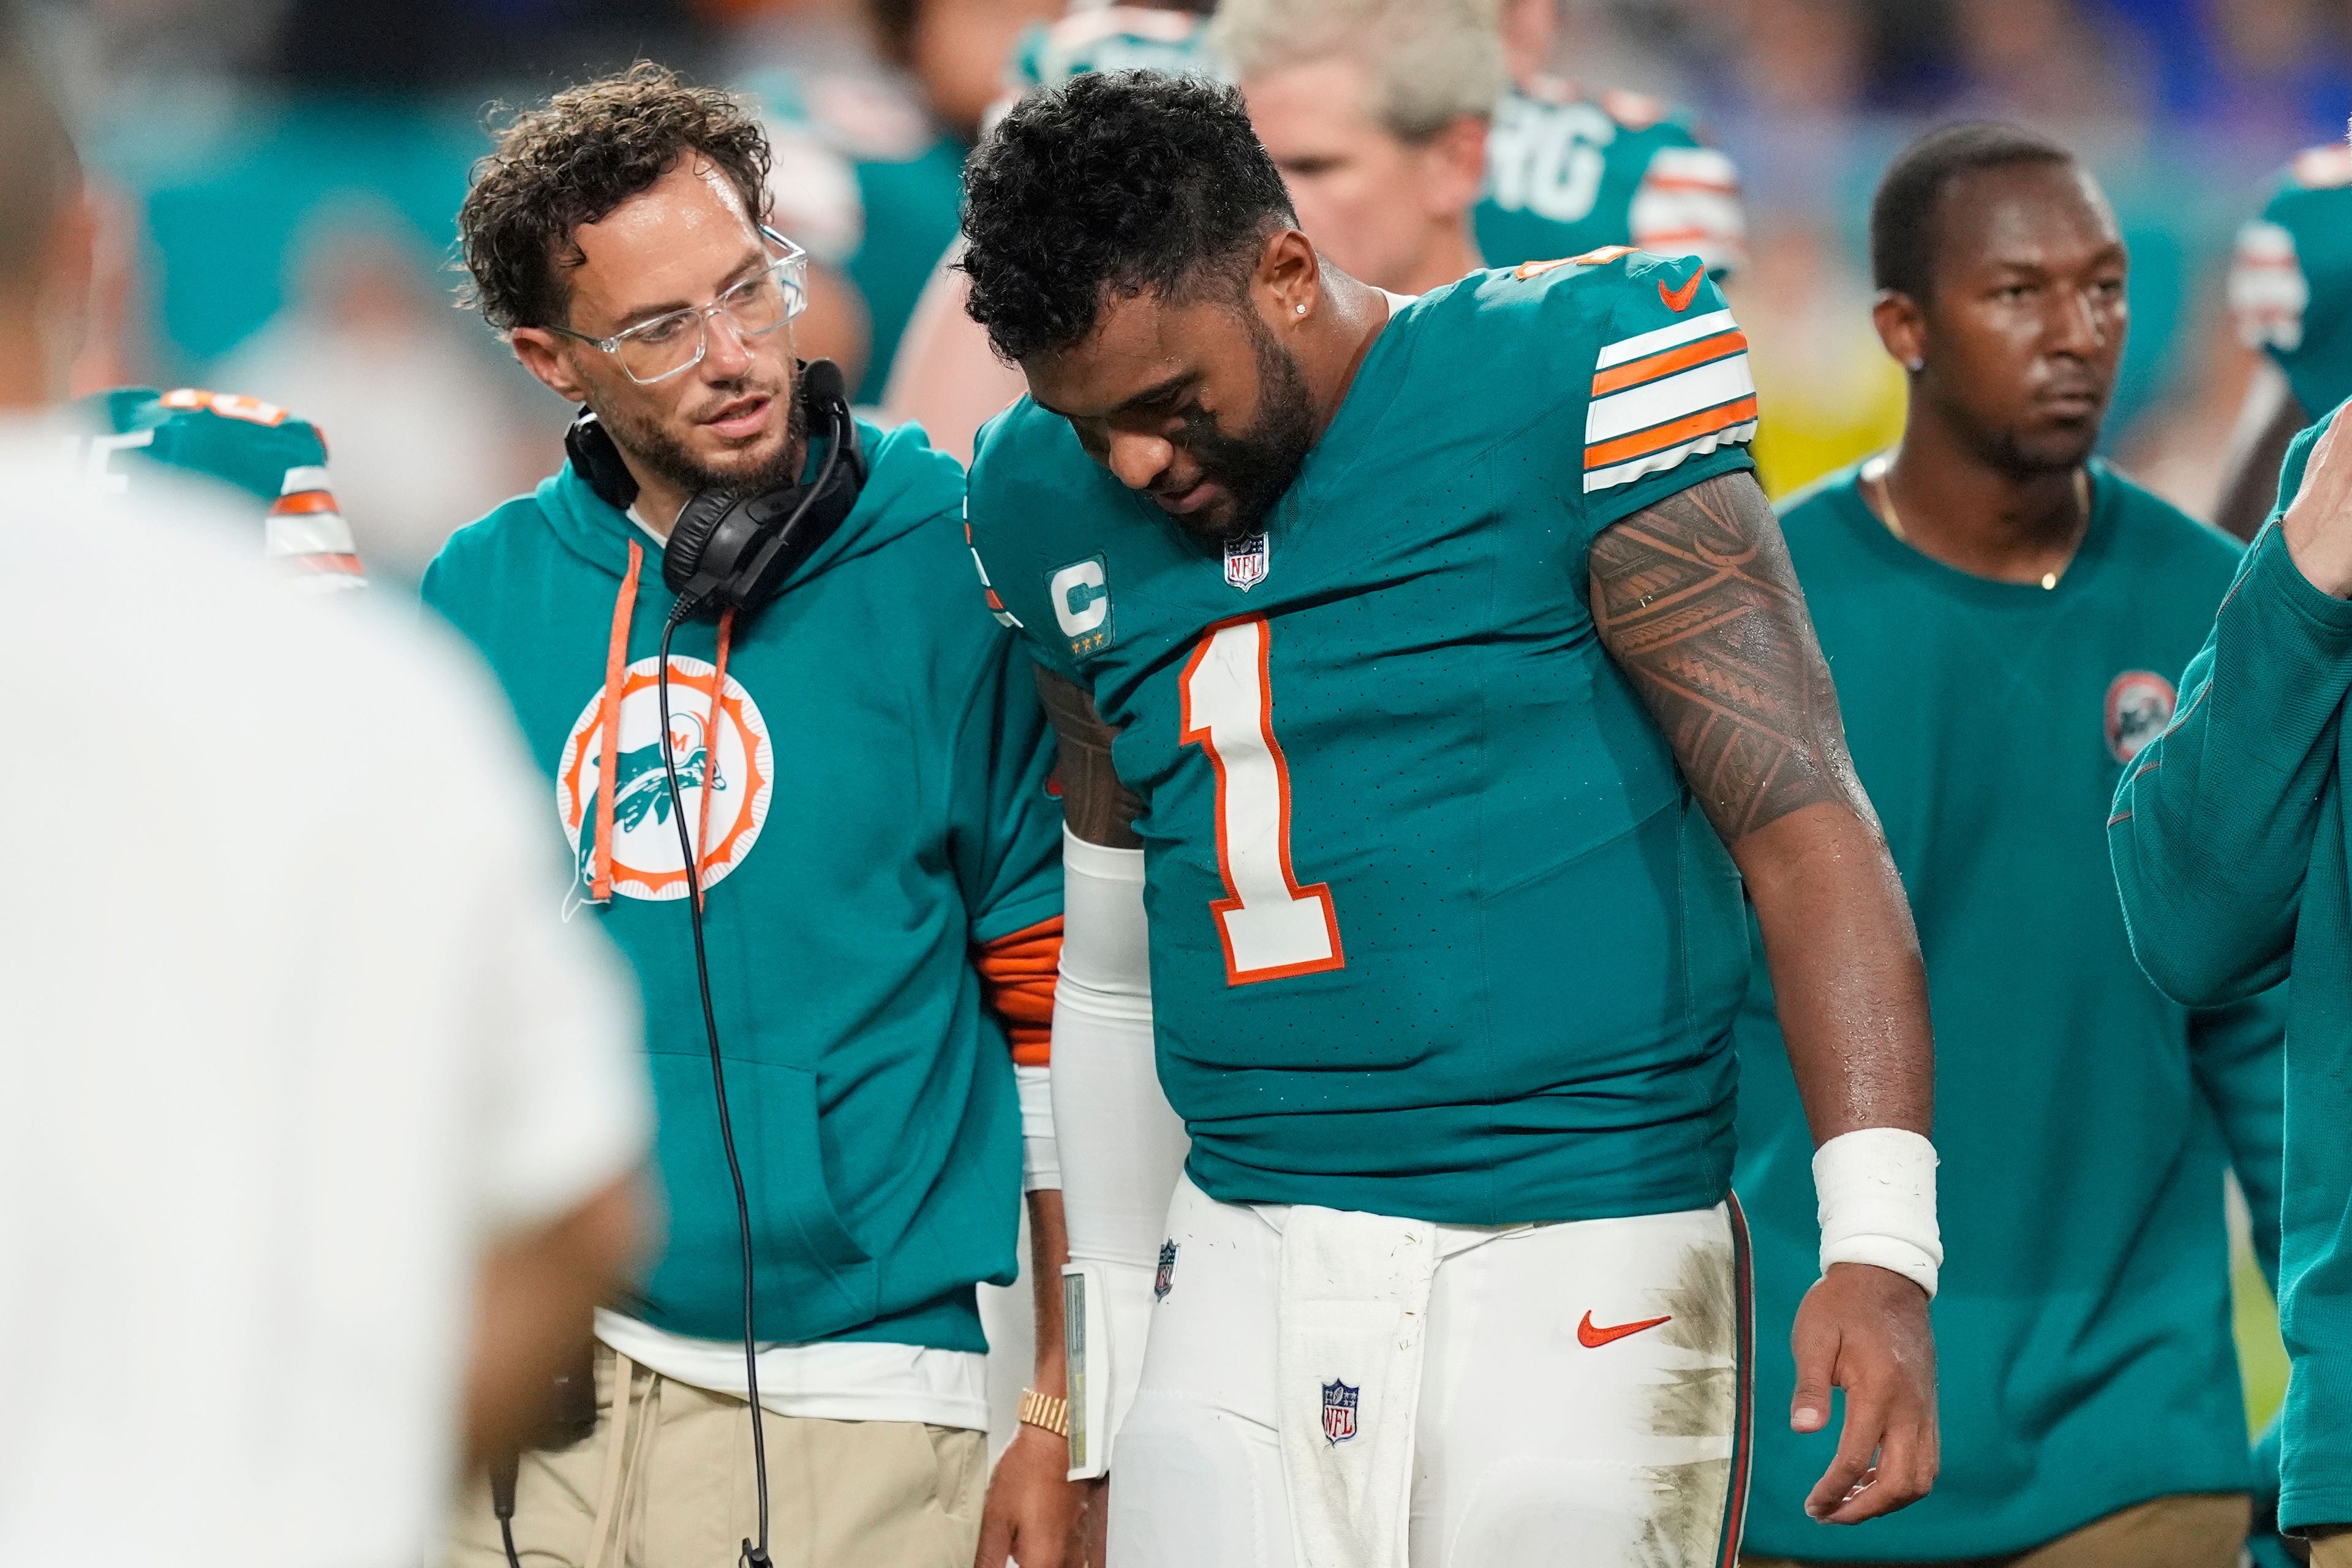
[(1099, 808), (1696, 601)]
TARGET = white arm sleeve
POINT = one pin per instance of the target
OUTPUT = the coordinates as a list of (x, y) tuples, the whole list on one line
[(1121, 1147), (1041, 1161)]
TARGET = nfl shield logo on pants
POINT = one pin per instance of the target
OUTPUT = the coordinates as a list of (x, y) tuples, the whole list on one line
[(1165, 1281), (1339, 1412), (1247, 559)]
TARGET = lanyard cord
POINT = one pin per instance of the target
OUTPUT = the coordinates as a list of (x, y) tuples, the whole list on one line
[(755, 1555)]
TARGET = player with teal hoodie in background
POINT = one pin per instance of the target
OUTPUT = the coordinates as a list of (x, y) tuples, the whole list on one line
[(2233, 850), (2004, 617), (862, 772)]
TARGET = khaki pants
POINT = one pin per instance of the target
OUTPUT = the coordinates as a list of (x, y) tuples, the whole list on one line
[(2201, 1530), (666, 1482)]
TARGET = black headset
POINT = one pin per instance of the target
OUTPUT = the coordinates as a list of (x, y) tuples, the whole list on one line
[(733, 551), (728, 550)]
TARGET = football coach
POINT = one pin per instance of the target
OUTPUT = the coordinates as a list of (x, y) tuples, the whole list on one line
[(804, 784)]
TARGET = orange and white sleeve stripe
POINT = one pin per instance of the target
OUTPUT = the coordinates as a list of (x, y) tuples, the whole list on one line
[(2268, 292), (1664, 396), (1688, 204), (1016, 979), (306, 529)]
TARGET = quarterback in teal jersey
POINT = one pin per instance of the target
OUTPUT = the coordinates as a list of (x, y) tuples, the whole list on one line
[(257, 449), (1437, 663), (2291, 295), (2005, 617)]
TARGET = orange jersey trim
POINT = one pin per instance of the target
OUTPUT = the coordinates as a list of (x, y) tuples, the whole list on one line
[(1617, 378), (1658, 438), (303, 503), (1017, 974)]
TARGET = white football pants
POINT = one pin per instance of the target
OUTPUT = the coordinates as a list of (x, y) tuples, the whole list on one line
[(1583, 1399)]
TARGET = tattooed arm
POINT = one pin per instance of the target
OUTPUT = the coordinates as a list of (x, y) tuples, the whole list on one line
[(1099, 808), (1696, 600)]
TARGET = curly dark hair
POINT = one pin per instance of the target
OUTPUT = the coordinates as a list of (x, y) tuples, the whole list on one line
[(1905, 212), (1115, 183), (574, 159)]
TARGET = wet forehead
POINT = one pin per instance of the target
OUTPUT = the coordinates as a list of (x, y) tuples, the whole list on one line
[(675, 243), (1140, 345), (2047, 216)]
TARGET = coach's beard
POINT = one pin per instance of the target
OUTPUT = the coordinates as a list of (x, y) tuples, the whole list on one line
[(647, 441), (1258, 465)]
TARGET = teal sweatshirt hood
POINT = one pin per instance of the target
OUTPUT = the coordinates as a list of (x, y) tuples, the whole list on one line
[(862, 767), (905, 484)]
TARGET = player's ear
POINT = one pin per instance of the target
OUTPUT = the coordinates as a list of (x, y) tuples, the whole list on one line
[(541, 353), (1289, 279), (1902, 328)]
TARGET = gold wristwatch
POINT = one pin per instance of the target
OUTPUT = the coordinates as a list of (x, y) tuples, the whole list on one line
[(1046, 1411)]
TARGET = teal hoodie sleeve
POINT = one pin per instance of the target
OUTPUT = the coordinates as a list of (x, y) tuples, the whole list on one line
[(2238, 1055), (2213, 824), (1009, 844)]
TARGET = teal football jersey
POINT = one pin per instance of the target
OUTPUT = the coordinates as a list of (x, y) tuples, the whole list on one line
[(1437, 928), (1113, 39), (1567, 173), (2290, 279), (256, 448)]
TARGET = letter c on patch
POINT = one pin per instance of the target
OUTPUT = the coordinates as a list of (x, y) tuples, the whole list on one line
[(1080, 601)]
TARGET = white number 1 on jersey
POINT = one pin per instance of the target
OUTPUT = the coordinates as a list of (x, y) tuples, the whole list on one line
[(1271, 926)]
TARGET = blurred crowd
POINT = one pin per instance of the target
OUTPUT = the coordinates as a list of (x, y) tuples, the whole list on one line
[(284, 172)]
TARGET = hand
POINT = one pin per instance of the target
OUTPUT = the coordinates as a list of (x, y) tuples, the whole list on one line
[(2318, 522), (1865, 1331), (1030, 1504)]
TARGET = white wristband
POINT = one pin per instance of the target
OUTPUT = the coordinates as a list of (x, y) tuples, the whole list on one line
[(1877, 1191)]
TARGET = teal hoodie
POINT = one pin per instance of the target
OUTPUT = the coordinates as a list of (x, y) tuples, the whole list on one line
[(2228, 840), (880, 809)]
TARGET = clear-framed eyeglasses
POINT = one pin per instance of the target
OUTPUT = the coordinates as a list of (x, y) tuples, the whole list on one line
[(675, 343)]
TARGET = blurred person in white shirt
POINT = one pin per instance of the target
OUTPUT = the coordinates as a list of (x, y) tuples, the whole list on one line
[(319, 1132)]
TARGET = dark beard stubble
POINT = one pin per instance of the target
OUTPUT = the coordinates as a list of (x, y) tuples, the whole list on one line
[(1258, 465), (657, 448)]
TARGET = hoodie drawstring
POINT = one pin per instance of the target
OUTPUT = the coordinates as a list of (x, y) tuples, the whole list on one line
[(616, 664)]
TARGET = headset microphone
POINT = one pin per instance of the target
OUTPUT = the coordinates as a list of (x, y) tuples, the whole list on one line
[(730, 550)]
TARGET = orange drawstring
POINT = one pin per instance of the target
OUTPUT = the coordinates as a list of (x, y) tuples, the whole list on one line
[(616, 664), (710, 757)]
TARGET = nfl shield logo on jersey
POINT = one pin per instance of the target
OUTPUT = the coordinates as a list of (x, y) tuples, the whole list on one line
[(1245, 561), (1165, 1279), (1339, 1412)]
